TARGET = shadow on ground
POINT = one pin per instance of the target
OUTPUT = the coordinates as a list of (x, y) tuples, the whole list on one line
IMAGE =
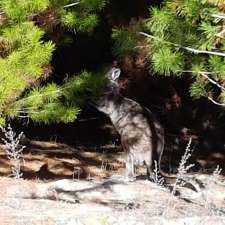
[(48, 160)]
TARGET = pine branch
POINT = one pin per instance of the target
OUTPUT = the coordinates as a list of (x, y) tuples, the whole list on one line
[(202, 24), (59, 90), (27, 53), (195, 51)]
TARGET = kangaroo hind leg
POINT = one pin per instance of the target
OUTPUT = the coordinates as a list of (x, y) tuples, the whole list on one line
[(130, 167)]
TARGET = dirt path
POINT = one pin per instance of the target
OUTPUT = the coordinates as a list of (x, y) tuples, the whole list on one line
[(109, 201)]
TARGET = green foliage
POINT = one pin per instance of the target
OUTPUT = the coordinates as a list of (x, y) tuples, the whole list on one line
[(167, 62), (209, 31), (26, 61), (55, 113), (198, 88), (28, 53), (19, 10), (60, 103), (87, 86), (73, 20), (217, 65), (124, 42), (70, 19), (222, 96), (188, 36), (191, 10), (2, 121), (59, 3), (83, 16), (159, 22), (93, 5), (22, 34), (87, 23)]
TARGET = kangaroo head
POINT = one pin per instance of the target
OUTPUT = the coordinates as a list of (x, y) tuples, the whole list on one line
[(110, 92), (112, 86), (113, 74)]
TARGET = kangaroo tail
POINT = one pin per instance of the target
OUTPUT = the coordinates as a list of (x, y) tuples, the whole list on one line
[(159, 135), (160, 149)]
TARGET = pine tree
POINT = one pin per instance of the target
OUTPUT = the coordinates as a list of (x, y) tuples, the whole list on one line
[(186, 37), (124, 43), (25, 55)]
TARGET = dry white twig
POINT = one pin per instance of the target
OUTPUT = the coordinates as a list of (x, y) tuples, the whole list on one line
[(217, 171), (180, 178), (158, 179), (13, 150), (215, 102), (205, 75), (212, 81), (219, 16), (221, 34), (183, 168), (71, 4)]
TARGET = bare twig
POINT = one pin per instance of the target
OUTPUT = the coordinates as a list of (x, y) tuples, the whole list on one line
[(212, 81), (215, 102), (72, 4), (219, 16), (221, 33), (22, 117), (192, 71), (205, 75), (193, 50)]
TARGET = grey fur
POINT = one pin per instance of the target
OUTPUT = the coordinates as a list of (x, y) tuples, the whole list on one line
[(142, 136)]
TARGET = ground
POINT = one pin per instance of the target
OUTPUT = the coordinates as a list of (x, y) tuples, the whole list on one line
[(51, 160), (66, 185)]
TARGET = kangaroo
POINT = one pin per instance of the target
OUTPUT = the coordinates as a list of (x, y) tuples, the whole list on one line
[(142, 136)]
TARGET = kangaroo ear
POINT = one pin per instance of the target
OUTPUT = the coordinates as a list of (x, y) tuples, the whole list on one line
[(116, 73)]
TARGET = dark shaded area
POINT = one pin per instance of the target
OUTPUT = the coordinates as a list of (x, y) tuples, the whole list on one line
[(91, 129), (87, 51)]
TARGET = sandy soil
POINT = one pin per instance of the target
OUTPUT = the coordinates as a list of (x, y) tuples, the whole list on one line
[(64, 185)]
